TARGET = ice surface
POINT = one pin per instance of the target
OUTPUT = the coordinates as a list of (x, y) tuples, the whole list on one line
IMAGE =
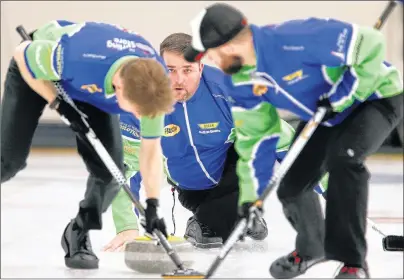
[(37, 204)]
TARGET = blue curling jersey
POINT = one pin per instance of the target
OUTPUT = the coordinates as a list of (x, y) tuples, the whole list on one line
[(82, 56)]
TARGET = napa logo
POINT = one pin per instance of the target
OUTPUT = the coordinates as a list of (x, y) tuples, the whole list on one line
[(259, 90), (208, 125), (208, 128), (171, 130), (294, 77), (93, 88)]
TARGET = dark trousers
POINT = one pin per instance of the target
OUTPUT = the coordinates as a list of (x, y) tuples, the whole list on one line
[(216, 207), (340, 150), (21, 110)]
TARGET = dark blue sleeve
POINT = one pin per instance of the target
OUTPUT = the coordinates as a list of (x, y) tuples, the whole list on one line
[(322, 41), (130, 126)]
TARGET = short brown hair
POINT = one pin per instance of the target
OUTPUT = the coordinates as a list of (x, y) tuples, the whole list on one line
[(146, 83), (176, 42)]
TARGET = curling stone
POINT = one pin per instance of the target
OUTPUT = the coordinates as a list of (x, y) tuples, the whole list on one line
[(145, 255)]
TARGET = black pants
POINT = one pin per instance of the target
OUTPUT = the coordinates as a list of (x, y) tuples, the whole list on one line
[(21, 110), (340, 150), (216, 207)]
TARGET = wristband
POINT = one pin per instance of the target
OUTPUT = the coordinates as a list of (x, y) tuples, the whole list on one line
[(152, 202)]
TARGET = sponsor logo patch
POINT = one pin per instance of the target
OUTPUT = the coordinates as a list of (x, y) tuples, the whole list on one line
[(259, 90), (208, 128), (130, 129), (93, 88), (294, 77), (124, 44), (59, 60), (238, 123), (171, 130), (341, 41), (293, 48), (121, 44), (129, 150), (208, 125)]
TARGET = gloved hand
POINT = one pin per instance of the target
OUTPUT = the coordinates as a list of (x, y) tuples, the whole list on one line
[(245, 210), (152, 221), (76, 118), (325, 102)]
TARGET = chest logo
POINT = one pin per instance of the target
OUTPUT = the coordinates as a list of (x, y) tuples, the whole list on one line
[(259, 90), (208, 125), (171, 130), (208, 128), (91, 88), (294, 77)]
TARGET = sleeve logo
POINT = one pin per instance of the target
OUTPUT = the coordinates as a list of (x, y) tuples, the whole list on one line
[(341, 41), (259, 90), (208, 128)]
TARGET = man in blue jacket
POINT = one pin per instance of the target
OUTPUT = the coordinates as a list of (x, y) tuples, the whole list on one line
[(198, 152), (299, 65), (200, 160)]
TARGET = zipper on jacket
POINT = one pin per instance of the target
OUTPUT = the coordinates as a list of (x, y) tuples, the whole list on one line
[(191, 141)]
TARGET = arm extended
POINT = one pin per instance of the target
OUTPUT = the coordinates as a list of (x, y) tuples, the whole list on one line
[(34, 62), (122, 207), (150, 155), (257, 134), (353, 57)]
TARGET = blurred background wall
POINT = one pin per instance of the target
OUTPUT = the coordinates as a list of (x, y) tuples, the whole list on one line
[(157, 19)]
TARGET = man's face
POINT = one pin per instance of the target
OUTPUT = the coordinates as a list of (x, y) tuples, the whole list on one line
[(185, 76), (226, 59)]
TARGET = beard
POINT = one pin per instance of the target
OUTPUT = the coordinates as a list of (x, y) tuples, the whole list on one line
[(184, 95), (232, 65)]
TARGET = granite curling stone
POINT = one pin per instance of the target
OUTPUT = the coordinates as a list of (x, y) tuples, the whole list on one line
[(144, 256)]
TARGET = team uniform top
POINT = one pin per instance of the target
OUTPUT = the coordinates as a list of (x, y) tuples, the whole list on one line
[(197, 136), (297, 62), (84, 57)]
